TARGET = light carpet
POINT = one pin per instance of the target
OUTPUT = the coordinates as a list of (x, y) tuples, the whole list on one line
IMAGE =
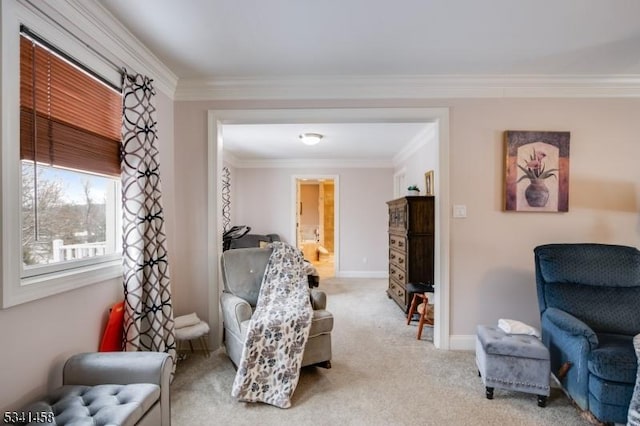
[(381, 375)]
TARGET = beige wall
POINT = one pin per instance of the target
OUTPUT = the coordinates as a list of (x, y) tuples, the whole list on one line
[(39, 336), (189, 266), (491, 251), (264, 201)]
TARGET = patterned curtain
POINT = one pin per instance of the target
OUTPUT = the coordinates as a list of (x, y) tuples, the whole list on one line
[(148, 323), (226, 199)]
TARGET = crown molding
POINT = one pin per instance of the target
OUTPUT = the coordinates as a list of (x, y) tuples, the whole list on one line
[(89, 20), (303, 163), (411, 87), (119, 40)]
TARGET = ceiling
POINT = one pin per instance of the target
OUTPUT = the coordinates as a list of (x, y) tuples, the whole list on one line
[(372, 142), (206, 38), (216, 39)]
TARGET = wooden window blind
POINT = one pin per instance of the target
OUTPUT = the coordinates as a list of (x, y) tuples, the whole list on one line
[(67, 118)]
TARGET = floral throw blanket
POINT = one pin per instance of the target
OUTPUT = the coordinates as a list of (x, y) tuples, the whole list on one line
[(272, 356)]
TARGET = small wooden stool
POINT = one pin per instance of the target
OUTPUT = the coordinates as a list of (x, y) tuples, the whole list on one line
[(424, 309)]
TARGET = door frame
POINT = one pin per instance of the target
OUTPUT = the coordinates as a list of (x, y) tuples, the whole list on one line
[(439, 116), (336, 212)]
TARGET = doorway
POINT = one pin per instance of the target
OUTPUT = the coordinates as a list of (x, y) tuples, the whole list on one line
[(439, 116), (315, 222)]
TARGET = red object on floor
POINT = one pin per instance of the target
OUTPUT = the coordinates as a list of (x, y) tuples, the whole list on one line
[(112, 337)]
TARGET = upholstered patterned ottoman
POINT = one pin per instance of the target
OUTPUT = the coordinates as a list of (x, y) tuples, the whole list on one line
[(512, 361)]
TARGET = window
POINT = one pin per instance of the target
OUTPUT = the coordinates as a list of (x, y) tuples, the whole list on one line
[(48, 97), (70, 125)]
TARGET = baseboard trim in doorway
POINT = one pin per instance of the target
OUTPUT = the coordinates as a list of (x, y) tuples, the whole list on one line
[(362, 274)]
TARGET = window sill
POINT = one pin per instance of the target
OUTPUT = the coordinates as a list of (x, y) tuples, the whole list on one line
[(26, 290)]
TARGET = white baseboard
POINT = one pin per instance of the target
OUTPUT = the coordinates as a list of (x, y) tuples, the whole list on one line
[(462, 342), (362, 274)]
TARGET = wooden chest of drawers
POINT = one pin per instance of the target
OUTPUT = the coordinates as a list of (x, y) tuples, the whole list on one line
[(411, 245)]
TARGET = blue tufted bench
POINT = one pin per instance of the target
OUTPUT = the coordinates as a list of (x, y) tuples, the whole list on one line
[(512, 361), (110, 388)]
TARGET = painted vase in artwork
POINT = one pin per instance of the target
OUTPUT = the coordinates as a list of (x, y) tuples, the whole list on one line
[(537, 193)]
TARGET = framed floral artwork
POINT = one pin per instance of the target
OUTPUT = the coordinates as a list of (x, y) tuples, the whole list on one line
[(537, 171)]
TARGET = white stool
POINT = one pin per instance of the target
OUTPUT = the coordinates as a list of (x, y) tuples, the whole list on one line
[(189, 328)]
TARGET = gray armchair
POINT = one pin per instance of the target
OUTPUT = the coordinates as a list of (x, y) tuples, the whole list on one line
[(253, 240), (242, 273)]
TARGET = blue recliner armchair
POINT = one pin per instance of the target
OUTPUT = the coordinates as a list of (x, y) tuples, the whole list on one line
[(589, 299)]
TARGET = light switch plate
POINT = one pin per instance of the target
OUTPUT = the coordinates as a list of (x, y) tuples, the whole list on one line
[(459, 210)]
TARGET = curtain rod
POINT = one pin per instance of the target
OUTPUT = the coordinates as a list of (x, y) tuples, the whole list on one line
[(66, 30), (26, 30), (35, 37)]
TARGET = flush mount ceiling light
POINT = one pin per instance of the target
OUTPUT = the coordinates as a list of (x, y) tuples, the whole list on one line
[(310, 138)]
